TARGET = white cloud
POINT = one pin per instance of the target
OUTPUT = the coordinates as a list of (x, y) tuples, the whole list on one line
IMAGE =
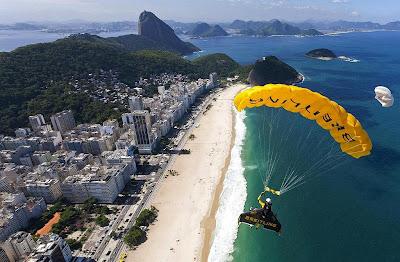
[(355, 13), (340, 1)]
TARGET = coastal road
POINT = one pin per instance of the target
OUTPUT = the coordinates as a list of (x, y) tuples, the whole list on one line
[(146, 200), (114, 226)]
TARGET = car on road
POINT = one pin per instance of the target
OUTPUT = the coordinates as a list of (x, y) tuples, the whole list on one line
[(123, 257), (108, 253)]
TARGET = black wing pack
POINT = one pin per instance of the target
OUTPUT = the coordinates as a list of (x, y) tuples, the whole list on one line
[(258, 218)]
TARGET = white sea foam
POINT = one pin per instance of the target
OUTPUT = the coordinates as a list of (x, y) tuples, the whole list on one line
[(251, 167), (303, 78), (348, 59), (232, 200)]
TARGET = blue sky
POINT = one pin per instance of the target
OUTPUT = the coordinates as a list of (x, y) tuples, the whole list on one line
[(199, 10)]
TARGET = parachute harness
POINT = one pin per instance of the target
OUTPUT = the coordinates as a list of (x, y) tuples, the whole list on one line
[(272, 191)]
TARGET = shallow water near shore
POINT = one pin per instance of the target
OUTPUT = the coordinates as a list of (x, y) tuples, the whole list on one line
[(351, 213)]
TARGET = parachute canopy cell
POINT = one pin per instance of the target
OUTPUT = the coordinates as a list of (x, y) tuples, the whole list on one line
[(343, 126), (384, 96)]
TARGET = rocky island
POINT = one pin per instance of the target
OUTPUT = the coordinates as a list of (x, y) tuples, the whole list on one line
[(206, 30), (322, 54), (271, 70)]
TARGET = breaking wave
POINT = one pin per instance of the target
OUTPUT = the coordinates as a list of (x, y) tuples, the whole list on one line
[(348, 59), (232, 199)]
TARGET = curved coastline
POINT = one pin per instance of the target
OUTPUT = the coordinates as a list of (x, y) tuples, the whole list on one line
[(209, 222), (185, 201)]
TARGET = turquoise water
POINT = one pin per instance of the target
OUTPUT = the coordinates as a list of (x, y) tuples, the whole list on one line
[(351, 213)]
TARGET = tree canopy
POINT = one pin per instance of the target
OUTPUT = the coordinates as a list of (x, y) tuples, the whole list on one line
[(35, 78)]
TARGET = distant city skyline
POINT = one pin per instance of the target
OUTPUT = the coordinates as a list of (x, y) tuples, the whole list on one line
[(195, 10)]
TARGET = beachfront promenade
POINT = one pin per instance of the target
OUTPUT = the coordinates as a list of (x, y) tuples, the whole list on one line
[(146, 200), (185, 201)]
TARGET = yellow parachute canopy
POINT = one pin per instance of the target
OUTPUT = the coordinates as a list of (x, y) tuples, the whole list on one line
[(343, 126)]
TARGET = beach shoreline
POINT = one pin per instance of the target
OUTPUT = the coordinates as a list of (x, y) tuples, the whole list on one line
[(208, 224), (188, 202)]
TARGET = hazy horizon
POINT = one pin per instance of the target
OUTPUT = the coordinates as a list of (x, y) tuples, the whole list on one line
[(54, 11)]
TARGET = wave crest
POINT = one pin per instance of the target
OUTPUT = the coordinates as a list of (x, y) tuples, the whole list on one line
[(348, 59), (232, 199)]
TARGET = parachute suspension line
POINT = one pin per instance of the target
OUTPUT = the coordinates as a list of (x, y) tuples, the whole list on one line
[(273, 153), (291, 177), (273, 149), (261, 165), (268, 155), (324, 165), (280, 132), (284, 138), (295, 157)]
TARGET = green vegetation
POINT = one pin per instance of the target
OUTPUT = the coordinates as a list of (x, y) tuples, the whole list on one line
[(37, 78), (34, 79), (102, 221), (220, 63), (72, 217), (69, 217), (36, 224), (146, 217), (90, 206), (243, 72), (74, 244), (59, 97), (135, 236), (272, 70)]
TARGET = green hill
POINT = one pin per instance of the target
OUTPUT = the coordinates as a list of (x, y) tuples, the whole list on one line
[(220, 63), (37, 78), (271, 70), (33, 76)]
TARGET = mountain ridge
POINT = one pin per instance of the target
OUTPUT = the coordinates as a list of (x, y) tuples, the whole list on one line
[(206, 30), (268, 28), (151, 27)]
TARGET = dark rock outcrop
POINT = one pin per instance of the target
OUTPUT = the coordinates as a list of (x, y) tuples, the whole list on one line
[(310, 32), (271, 70), (205, 30), (322, 53), (152, 27)]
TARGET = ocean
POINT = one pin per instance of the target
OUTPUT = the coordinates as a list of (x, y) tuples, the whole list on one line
[(350, 213)]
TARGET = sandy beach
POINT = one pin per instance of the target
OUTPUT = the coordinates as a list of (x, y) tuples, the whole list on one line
[(188, 202)]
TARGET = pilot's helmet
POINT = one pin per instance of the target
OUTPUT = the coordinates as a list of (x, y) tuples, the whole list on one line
[(269, 201)]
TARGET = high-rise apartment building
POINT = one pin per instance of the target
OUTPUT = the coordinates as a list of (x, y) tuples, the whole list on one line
[(63, 121), (140, 123), (36, 122), (135, 103)]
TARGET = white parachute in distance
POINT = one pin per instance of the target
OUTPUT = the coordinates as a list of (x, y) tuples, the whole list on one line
[(384, 96)]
